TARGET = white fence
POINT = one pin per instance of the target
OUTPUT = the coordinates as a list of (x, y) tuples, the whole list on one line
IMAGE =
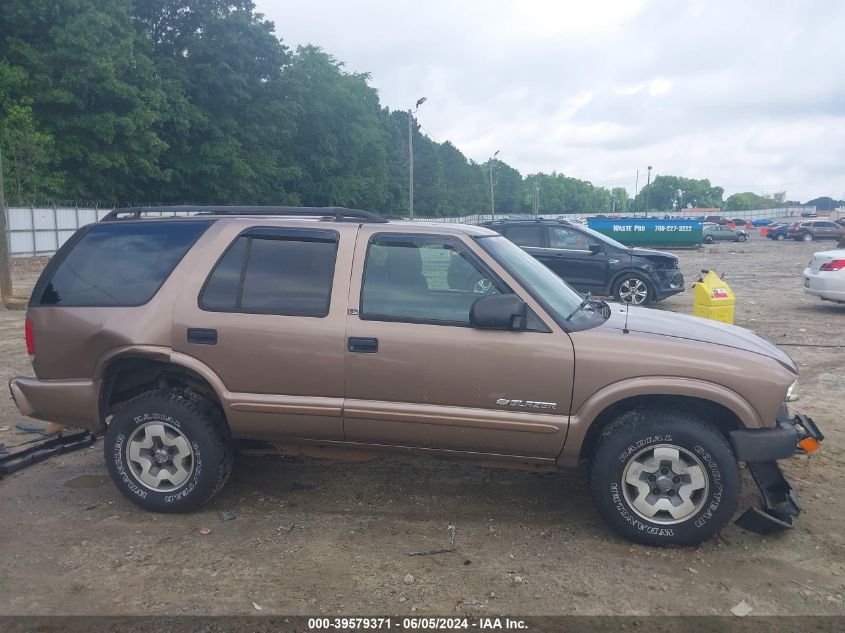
[(34, 231), (42, 231)]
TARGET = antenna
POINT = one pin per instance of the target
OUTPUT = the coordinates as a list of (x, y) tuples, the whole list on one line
[(625, 329)]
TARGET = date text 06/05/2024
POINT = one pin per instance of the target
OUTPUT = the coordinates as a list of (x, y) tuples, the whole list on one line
[(417, 624)]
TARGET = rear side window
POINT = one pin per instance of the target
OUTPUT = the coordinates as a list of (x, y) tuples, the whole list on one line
[(119, 264), (270, 272), (530, 235)]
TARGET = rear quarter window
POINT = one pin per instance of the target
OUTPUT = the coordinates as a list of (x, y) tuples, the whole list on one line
[(117, 264)]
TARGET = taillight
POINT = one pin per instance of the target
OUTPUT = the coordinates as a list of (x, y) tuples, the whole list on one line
[(29, 333), (836, 264)]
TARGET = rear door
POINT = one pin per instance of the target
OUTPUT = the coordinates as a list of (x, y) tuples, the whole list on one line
[(267, 316), (418, 375), (830, 230)]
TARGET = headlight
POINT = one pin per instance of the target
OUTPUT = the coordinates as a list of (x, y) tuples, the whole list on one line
[(791, 396)]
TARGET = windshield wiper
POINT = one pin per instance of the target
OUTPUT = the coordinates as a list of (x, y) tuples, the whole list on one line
[(588, 301)]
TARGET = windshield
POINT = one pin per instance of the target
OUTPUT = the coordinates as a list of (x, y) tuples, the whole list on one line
[(554, 294), (604, 238)]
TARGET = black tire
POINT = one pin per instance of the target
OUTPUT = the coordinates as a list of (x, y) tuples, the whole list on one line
[(742, 238), (629, 280), (636, 434), (206, 453), (808, 237), (708, 239), (780, 237)]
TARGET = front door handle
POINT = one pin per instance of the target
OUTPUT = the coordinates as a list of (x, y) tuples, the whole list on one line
[(362, 345)]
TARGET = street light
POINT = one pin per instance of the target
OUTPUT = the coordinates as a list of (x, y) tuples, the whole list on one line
[(647, 190), (411, 113), (492, 194)]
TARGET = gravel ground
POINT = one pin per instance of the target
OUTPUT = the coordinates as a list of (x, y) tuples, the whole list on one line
[(318, 537)]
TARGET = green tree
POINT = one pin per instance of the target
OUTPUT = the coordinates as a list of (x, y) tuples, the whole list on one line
[(337, 141), (620, 195), (671, 193), (92, 92), (229, 119)]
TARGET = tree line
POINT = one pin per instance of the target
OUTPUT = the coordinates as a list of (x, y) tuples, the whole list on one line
[(199, 101)]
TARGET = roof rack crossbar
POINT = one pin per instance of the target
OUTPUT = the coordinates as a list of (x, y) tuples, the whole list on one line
[(340, 214)]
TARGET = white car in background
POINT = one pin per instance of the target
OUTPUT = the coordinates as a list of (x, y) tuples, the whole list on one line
[(824, 275)]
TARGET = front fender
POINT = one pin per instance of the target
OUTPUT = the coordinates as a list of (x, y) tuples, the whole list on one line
[(581, 420)]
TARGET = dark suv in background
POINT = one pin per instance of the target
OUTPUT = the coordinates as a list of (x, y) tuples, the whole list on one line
[(592, 262)]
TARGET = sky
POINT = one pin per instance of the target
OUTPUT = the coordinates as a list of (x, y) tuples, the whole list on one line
[(750, 94)]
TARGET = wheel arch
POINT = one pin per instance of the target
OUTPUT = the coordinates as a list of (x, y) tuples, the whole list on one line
[(617, 276), (127, 372), (719, 406)]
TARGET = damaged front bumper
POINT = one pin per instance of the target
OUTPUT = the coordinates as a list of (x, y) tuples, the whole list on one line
[(759, 449)]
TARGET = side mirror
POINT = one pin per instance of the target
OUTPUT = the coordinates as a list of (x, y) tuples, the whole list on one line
[(499, 312), (596, 248)]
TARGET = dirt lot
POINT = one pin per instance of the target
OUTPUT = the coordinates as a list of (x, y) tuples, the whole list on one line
[(315, 537)]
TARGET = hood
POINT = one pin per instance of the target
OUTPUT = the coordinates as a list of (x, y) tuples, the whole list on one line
[(647, 252), (683, 326)]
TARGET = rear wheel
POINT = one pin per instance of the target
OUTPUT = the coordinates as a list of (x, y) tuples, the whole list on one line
[(780, 237), (742, 238), (664, 477), (708, 239), (168, 451), (632, 288)]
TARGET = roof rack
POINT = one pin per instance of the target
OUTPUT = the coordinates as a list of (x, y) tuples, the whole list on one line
[(340, 214)]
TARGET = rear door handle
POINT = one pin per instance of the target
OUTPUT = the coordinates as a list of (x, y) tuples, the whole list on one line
[(202, 336), (362, 345)]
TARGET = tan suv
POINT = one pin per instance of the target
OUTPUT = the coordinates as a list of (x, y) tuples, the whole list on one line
[(180, 337)]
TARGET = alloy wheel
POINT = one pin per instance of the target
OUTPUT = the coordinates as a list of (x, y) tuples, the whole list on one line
[(665, 484), (633, 290), (159, 456)]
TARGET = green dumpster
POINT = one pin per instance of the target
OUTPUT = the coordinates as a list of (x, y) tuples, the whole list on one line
[(650, 231)]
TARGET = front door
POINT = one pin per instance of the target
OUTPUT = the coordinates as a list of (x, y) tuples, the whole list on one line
[(571, 259), (418, 375)]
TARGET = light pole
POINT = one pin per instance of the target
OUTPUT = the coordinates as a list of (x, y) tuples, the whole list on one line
[(492, 194), (647, 190), (411, 113)]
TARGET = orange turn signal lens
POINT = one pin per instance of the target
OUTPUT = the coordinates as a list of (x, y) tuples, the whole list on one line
[(809, 444)]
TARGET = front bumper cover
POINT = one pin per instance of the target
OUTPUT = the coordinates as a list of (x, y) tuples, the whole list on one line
[(759, 449), (669, 282)]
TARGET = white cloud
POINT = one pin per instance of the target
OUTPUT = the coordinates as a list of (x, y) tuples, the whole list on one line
[(748, 94)]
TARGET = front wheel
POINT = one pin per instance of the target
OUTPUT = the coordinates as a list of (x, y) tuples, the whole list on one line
[(808, 237), (632, 288), (742, 238), (664, 477), (780, 237), (168, 451), (708, 239)]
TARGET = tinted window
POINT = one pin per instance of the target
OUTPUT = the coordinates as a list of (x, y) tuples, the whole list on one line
[(526, 235), (273, 274), (422, 279), (563, 237), (120, 263), (221, 289)]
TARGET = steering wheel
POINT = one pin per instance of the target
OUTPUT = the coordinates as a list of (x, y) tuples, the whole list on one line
[(482, 286)]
